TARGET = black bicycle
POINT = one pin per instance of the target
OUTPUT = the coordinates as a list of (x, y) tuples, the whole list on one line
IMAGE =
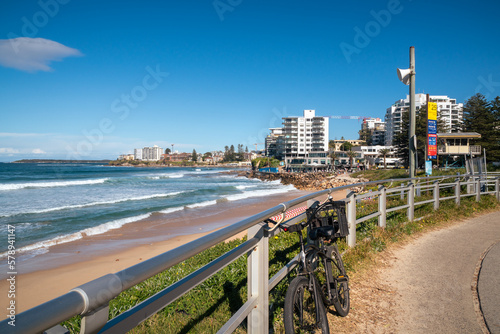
[(321, 278)]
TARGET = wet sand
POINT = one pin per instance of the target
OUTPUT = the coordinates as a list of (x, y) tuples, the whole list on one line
[(69, 265)]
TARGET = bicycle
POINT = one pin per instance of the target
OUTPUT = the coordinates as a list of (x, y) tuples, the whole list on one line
[(321, 277)]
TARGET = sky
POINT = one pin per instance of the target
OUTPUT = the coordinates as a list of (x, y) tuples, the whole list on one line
[(96, 79)]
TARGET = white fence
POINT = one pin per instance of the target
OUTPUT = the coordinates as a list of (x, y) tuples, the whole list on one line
[(91, 300)]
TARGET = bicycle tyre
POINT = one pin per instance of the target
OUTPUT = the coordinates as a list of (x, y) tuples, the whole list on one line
[(300, 308), (341, 300)]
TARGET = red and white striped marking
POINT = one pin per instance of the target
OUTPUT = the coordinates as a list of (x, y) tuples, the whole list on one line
[(290, 213)]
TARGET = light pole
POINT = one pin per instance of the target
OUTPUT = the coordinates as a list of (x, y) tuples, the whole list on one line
[(407, 76)]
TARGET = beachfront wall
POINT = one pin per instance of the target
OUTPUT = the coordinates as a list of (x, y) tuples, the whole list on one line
[(91, 300)]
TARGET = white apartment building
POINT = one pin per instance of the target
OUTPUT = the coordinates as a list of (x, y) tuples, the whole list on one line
[(448, 110), (152, 153), (138, 154), (305, 135)]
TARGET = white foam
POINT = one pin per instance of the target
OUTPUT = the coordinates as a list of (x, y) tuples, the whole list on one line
[(39, 246), (113, 224), (170, 210), (242, 187), (202, 204), (16, 186), (78, 206), (260, 193)]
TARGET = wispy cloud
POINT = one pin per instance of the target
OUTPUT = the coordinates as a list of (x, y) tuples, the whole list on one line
[(8, 150), (38, 151), (33, 54)]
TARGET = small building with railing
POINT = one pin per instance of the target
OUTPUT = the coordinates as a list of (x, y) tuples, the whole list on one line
[(458, 143)]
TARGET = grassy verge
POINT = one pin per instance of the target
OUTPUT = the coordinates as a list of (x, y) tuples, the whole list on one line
[(208, 306)]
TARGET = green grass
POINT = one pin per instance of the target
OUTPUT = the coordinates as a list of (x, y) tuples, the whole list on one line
[(208, 306)]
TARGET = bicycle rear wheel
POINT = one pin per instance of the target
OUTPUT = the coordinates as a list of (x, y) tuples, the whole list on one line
[(301, 305), (339, 283)]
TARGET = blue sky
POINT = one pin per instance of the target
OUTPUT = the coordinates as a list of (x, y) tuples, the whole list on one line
[(94, 79)]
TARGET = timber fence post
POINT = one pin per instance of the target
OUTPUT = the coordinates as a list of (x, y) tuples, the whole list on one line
[(436, 195), (351, 219), (382, 206), (497, 188), (411, 202), (457, 191), (478, 189), (258, 280)]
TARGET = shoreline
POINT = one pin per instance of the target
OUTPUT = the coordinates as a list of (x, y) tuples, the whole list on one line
[(69, 265)]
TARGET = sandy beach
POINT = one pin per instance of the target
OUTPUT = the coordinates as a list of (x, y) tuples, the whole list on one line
[(69, 265)]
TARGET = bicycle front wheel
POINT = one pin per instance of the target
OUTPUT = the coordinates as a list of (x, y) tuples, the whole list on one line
[(304, 313), (339, 283)]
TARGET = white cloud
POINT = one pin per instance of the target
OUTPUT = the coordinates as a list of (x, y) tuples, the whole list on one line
[(8, 150), (33, 54), (38, 151)]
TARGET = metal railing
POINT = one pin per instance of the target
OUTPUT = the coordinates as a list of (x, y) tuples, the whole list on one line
[(91, 300)]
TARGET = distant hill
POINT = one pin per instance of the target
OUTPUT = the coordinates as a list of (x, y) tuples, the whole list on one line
[(54, 161)]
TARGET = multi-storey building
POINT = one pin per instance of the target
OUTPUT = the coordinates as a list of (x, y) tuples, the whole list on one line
[(303, 142), (138, 154), (274, 143), (304, 135), (375, 128), (449, 112), (152, 153)]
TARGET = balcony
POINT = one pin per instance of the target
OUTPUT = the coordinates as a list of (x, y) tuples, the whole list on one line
[(460, 150)]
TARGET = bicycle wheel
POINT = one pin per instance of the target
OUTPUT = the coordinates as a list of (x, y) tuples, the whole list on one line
[(340, 285), (300, 309)]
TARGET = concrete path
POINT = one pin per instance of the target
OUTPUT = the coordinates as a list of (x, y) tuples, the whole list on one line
[(489, 288), (435, 279)]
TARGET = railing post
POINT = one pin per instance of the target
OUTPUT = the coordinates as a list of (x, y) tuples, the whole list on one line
[(258, 280), (436, 195), (478, 189), (351, 219), (382, 206), (458, 190), (93, 322), (411, 202), (497, 188)]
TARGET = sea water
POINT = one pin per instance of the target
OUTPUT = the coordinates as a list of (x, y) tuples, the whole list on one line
[(50, 204)]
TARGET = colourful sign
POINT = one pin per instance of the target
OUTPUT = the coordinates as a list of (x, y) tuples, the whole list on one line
[(432, 111), (431, 130), (432, 146), (432, 127)]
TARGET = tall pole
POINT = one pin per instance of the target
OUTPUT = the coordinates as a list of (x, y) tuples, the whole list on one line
[(411, 133)]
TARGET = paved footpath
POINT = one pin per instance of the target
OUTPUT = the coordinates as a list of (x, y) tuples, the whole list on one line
[(433, 278), (489, 288)]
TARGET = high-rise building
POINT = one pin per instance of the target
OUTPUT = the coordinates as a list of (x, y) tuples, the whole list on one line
[(152, 153), (305, 135), (374, 128), (449, 112), (274, 143)]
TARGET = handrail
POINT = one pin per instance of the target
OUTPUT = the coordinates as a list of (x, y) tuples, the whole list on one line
[(91, 299)]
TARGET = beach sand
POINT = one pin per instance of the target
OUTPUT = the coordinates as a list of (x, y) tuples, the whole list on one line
[(69, 265)]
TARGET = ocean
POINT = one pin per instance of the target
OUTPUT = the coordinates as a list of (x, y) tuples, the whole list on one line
[(50, 204)]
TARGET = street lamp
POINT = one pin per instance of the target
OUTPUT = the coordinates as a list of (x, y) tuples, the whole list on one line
[(407, 76)]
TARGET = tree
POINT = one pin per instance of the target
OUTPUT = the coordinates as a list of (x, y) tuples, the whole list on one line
[(384, 153), (481, 116), (167, 151), (194, 156), (366, 135), (351, 154), (346, 146), (401, 140)]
